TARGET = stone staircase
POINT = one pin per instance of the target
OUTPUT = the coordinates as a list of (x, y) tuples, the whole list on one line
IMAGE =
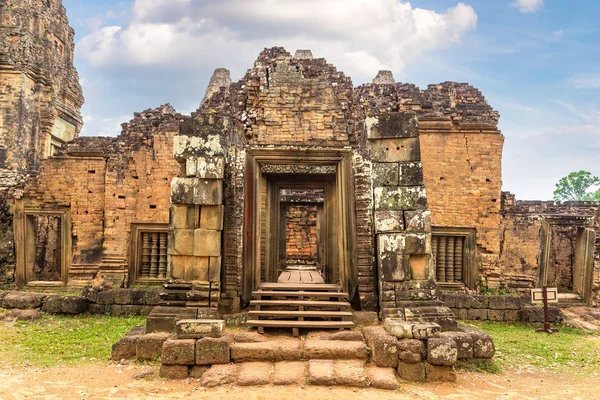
[(569, 300), (300, 305)]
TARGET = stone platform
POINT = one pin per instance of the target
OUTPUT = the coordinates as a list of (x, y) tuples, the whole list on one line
[(375, 356)]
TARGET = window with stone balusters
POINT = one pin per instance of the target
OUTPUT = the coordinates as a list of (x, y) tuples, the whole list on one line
[(452, 257), (153, 263), (149, 252)]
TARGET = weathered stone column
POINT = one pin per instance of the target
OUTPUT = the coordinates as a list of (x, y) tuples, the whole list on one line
[(402, 221), (196, 221)]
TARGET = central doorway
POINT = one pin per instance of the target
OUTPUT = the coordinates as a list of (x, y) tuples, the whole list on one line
[(298, 213), (300, 219)]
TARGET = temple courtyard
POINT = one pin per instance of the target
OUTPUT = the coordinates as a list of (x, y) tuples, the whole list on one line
[(59, 357)]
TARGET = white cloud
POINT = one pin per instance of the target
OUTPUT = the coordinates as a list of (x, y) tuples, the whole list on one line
[(528, 6), (359, 37), (584, 81)]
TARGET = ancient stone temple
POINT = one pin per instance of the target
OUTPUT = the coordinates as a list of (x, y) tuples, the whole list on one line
[(40, 98), (379, 197)]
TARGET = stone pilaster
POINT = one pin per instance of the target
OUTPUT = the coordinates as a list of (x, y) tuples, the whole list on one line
[(402, 221)]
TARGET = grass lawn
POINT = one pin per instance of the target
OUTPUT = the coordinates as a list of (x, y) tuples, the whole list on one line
[(571, 350), (59, 340)]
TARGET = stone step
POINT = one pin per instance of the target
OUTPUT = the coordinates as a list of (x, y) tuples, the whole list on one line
[(297, 293), (301, 286), (315, 349), (301, 324), (343, 373), (273, 350), (301, 303), (295, 314)]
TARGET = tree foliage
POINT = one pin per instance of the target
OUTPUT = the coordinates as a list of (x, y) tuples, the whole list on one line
[(576, 187)]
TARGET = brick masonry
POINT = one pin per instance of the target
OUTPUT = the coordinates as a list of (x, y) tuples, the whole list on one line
[(416, 161)]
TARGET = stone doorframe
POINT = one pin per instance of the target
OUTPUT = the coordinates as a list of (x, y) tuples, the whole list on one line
[(262, 162), (24, 244), (583, 261)]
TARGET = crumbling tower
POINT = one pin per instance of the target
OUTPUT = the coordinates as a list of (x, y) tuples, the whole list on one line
[(40, 94)]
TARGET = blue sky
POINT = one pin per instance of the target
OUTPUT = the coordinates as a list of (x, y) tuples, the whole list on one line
[(536, 61)]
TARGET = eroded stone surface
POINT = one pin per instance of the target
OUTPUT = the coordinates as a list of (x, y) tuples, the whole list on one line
[(179, 352), (320, 372), (384, 350), (211, 350), (199, 328), (350, 373), (441, 351), (220, 374), (275, 350), (334, 350), (255, 373), (382, 378), (289, 373)]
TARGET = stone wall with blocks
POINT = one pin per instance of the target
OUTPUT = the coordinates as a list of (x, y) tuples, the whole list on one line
[(197, 207), (102, 188), (402, 220)]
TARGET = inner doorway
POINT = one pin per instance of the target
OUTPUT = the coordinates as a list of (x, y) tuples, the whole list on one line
[(298, 214), (566, 257)]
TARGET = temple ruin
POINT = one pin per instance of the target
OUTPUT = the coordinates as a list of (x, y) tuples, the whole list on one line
[(388, 193)]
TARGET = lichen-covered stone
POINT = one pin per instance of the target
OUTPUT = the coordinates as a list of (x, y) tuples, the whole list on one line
[(199, 328), (211, 350), (411, 350), (179, 352), (441, 351), (426, 330), (399, 328), (464, 343)]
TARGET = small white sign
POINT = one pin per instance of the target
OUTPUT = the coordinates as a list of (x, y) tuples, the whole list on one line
[(537, 295)]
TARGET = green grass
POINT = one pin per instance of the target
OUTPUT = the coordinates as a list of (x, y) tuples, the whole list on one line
[(58, 340), (518, 345)]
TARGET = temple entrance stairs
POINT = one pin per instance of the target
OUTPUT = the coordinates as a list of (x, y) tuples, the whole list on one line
[(300, 305)]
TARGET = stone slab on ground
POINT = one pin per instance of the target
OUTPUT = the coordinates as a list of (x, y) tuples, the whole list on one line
[(255, 373), (125, 348), (412, 372), (199, 328), (281, 349), (334, 350), (149, 346), (197, 371), (174, 371), (22, 300), (320, 372), (289, 373), (24, 315), (384, 346), (219, 374), (382, 378), (437, 373), (350, 373), (179, 352)]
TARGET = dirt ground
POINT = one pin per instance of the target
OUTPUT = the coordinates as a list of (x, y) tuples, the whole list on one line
[(113, 381)]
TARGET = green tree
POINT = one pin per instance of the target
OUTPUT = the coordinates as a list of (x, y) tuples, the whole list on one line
[(576, 187)]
